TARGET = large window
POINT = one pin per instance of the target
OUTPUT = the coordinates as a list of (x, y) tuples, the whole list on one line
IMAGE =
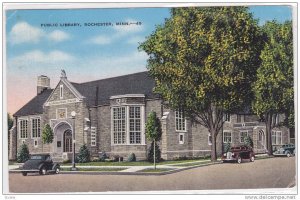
[(93, 136), (227, 137), (243, 134), (119, 125), (180, 121), (36, 127), (135, 125), (127, 125), (276, 137), (23, 128)]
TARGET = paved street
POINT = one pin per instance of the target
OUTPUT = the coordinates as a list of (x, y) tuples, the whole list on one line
[(266, 173)]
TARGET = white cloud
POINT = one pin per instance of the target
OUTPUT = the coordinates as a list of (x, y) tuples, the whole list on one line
[(38, 58), (58, 36), (135, 40), (23, 32), (101, 40)]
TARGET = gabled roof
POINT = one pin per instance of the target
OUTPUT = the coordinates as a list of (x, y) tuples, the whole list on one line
[(138, 83), (35, 105)]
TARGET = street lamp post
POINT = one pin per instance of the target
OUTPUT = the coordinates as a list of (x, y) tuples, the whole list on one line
[(73, 114)]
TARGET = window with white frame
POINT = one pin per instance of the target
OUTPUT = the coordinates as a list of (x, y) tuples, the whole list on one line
[(119, 126), (276, 137), (226, 117), (23, 124), (35, 143), (61, 91), (180, 121), (181, 138), (209, 139), (239, 118), (36, 127), (227, 137), (135, 125), (93, 136), (243, 134)]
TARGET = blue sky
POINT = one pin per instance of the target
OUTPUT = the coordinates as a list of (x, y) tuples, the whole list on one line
[(85, 52)]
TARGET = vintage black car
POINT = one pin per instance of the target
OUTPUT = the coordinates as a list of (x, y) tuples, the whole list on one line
[(41, 163), (238, 154), (285, 150)]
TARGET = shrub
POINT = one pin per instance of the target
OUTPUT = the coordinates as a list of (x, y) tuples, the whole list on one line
[(157, 153), (248, 141), (103, 157), (227, 147), (83, 155), (23, 154), (117, 158), (67, 161), (131, 157)]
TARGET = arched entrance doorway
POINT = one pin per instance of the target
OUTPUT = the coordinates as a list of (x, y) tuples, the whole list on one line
[(67, 144), (261, 139), (62, 141)]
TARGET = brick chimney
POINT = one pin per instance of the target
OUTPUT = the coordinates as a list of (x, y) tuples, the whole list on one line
[(43, 83)]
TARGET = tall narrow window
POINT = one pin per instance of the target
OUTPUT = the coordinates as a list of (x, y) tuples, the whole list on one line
[(61, 91), (239, 118), (135, 125), (23, 129), (227, 137), (243, 134), (119, 127), (93, 136), (226, 117), (180, 121), (36, 127), (273, 137)]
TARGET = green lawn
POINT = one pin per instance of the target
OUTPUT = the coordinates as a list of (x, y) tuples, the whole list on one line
[(137, 163), (157, 170), (95, 169)]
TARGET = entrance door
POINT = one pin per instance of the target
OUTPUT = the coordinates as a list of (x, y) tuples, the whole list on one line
[(262, 139), (68, 141)]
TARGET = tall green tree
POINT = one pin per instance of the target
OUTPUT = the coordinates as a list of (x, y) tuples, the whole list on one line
[(47, 134), (203, 61), (153, 132), (273, 89)]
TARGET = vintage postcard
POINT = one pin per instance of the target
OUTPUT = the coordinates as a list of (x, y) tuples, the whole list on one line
[(150, 99)]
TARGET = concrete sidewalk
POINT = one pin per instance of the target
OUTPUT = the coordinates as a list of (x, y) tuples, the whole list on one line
[(128, 169)]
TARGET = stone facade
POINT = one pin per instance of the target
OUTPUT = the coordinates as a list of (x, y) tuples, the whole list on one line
[(191, 141)]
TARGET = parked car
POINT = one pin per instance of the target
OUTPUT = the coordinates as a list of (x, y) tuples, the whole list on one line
[(238, 154), (285, 150), (41, 163)]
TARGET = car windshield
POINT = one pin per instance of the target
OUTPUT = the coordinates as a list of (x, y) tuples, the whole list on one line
[(37, 157)]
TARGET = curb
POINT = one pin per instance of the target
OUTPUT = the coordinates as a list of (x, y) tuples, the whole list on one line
[(130, 173)]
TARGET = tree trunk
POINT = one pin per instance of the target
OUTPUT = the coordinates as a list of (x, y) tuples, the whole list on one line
[(268, 118), (213, 153)]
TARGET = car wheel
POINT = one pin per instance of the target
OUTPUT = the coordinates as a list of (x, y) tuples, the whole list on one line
[(24, 173), (239, 160), (43, 171), (288, 154), (252, 158), (57, 170)]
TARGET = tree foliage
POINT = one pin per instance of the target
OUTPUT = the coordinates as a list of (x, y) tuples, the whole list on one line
[(83, 155), (151, 155), (47, 135), (23, 154), (203, 61), (273, 89), (153, 127), (248, 141)]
